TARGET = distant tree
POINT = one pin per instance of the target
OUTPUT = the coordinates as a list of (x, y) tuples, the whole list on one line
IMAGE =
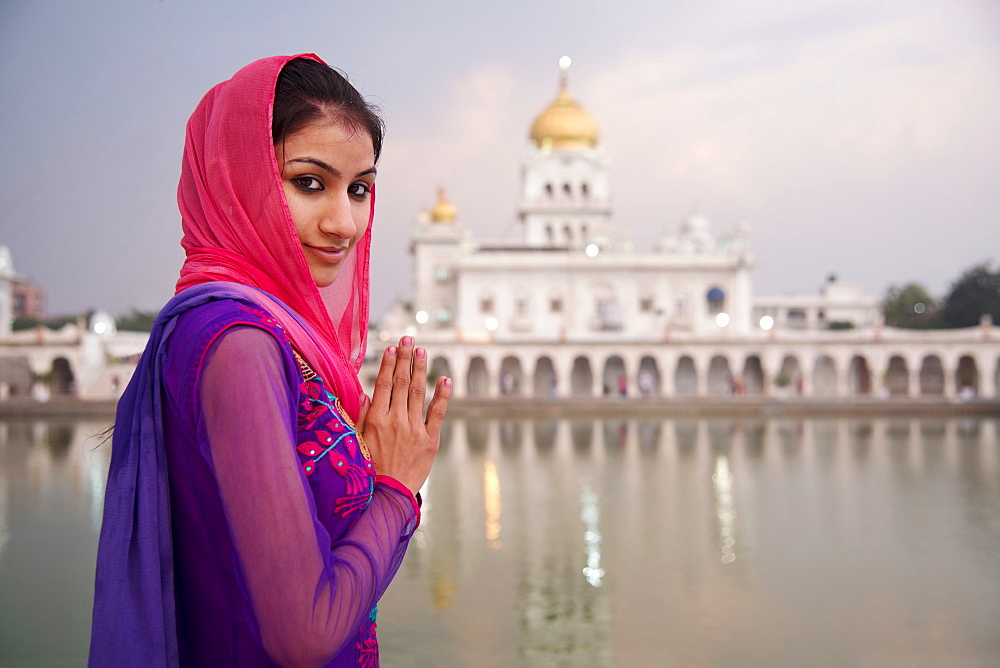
[(975, 293), (137, 321), (910, 306), (55, 322)]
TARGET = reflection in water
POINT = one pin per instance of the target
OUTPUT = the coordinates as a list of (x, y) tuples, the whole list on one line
[(864, 541), (722, 481), (491, 499), (828, 519), (52, 477), (583, 434), (591, 537)]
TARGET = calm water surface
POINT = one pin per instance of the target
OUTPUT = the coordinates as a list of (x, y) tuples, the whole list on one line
[(613, 543)]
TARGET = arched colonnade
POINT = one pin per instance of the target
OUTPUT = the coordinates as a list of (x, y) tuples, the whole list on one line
[(499, 370)]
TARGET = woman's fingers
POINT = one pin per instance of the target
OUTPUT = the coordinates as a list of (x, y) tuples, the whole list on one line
[(401, 376), (383, 383), (438, 407), (363, 413), (418, 386)]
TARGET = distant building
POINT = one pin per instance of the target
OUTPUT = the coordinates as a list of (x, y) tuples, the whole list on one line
[(571, 308), (19, 297), (28, 299), (7, 280)]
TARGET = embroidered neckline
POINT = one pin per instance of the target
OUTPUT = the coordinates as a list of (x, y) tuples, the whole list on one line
[(307, 372), (307, 375)]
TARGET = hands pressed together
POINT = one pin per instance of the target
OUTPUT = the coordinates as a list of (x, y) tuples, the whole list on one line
[(402, 442)]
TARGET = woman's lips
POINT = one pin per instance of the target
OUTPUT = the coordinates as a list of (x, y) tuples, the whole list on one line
[(331, 254)]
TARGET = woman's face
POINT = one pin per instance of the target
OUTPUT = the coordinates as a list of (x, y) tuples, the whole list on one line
[(327, 171)]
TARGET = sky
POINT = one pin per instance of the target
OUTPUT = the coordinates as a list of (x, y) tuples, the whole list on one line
[(854, 137)]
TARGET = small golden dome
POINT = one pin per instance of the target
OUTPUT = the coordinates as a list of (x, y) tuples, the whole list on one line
[(444, 211), (564, 123)]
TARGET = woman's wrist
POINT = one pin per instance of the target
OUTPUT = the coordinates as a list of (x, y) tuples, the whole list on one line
[(414, 498)]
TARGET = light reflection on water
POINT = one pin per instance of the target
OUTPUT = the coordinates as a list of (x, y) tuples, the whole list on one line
[(720, 541), (51, 496), (613, 542)]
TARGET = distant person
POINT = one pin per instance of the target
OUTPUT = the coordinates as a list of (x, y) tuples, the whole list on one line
[(258, 504)]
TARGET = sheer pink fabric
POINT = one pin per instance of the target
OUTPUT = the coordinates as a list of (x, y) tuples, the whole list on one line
[(237, 227)]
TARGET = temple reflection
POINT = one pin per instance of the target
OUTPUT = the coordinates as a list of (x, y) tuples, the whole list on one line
[(636, 541)]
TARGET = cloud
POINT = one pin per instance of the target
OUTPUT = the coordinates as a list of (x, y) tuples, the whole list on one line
[(741, 126)]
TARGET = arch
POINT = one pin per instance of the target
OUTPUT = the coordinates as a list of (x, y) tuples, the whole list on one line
[(439, 367), (897, 377), (649, 433), (996, 378), (581, 434), (567, 190), (585, 190), (615, 433), (63, 381), (967, 376), (685, 377), (614, 380), (648, 377), (720, 376), (477, 434), (511, 433), (478, 381), (549, 190), (544, 384), (545, 432), (58, 439), (753, 376), (859, 376), (931, 376), (511, 378), (790, 375), (824, 377), (581, 378)]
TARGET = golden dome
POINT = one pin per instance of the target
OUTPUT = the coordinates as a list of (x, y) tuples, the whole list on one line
[(444, 211), (564, 123)]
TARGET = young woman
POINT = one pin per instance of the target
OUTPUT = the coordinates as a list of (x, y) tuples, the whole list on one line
[(257, 503)]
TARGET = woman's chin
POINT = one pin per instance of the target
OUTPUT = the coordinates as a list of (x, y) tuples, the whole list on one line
[(326, 278)]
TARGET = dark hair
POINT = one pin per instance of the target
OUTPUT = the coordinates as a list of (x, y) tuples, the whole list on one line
[(308, 91)]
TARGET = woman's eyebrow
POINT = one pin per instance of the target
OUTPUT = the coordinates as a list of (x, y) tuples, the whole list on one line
[(332, 170), (319, 163)]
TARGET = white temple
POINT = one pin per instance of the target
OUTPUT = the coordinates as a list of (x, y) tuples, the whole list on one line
[(572, 308)]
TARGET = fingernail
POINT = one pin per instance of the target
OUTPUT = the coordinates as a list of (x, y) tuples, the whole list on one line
[(447, 382), (421, 353), (390, 351), (407, 341)]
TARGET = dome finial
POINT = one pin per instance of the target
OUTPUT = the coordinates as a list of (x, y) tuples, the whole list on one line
[(564, 63), (564, 124), (444, 211)]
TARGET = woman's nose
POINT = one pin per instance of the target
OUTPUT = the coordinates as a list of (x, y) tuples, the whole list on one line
[(338, 219)]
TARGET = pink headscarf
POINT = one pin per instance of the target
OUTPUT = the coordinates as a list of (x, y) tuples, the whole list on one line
[(237, 228)]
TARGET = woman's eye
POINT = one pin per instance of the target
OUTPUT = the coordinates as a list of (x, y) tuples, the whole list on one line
[(308, 183), (359, 189)]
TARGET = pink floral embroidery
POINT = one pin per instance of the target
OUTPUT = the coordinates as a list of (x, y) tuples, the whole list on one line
[(326, 433), (368, 648)]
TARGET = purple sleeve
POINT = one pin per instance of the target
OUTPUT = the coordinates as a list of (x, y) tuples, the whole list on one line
[(307, 597)]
